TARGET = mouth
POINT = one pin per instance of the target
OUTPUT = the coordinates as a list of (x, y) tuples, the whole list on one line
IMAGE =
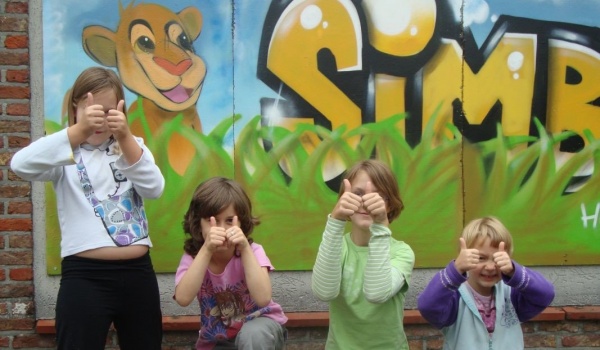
[(178, 94)]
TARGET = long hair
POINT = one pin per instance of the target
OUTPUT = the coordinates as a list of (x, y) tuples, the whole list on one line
[(383, 179), (94, 80), (210, 198)]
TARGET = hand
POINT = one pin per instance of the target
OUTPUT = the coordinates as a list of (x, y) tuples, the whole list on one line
[(374, 204), (117, 122), (216, 237), (503, 261), (236, 237), (92, 118), (347, 204), (467, 258)]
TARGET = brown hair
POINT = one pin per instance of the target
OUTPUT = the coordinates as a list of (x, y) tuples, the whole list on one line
[(210, 198), (488, 227), (383, 179), (94, 80)]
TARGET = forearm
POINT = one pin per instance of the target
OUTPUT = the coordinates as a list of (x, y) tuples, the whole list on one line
[(144, 174), (190, 284), (531, 292), (438, 303), (327, 271), (381, 280), (40, 160), (132, 152), (257, 278)]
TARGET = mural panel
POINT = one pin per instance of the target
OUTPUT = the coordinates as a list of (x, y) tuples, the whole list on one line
[(479, 107)]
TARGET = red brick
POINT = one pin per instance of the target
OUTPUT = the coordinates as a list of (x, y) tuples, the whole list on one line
[(16, 257), (16, 225), (19, 191), (13, 126), (16, 42), (28, 341), (3, 308), (20, 241), (19, 208), (4, 342), (16, 290), (17, 324), (18, 141), (589, 340), (22, 274), (13, 24), (582, 312), (17, 7), (539, 340), (16, 92), (13, 58), (2, 275), (17, 76), (2, 242)]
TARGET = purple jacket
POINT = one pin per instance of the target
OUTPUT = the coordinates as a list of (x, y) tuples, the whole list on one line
[(530, 294)]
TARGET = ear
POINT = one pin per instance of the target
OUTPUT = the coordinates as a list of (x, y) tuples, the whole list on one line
[(191, 18), (99, 43)]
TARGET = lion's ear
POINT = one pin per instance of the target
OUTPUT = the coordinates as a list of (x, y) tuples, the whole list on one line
[(192, 21), (99, 43)]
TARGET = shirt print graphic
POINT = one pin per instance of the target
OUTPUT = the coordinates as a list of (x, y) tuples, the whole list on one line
[(509, 316), (224, 310)]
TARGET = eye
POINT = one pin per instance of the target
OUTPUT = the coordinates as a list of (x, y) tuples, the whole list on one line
[(185, 42), (359, 193), (145, 44), (229, 221)]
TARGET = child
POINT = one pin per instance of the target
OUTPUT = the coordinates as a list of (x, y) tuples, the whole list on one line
[(227, 272), (364, 274), (100, 173), (485, 312)]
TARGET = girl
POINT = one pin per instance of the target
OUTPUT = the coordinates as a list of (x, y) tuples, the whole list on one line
[(485, 312), (100, 173), (365, 273), (227, 272)]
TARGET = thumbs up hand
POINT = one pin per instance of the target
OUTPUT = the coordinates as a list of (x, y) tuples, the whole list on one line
[(117, 122), (467, 258), (375, 205), (503, 261), (91, 119), (347, 204)]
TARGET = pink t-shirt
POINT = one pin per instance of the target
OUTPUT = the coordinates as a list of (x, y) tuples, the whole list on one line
[(225, 302)]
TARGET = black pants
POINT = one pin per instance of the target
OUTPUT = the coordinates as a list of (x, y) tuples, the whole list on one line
[(95, 293)]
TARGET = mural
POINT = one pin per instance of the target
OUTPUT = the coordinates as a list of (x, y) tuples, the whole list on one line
[(480, 108)]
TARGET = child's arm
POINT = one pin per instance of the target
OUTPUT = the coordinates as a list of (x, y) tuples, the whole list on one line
[(383, 280), (531, 293), (327, 271), (192, 276), (117, 124), (438, 303), (43, 159), (257, 276), (145, 175)]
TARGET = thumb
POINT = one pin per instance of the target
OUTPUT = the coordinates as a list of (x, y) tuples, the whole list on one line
[(501, 246), (463, 244), (120, 106), (235, 221), (368, 187), (213, 221), (347, 186), (89, 100)]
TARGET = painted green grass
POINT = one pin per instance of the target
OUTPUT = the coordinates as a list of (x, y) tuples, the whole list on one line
[(443, 181)]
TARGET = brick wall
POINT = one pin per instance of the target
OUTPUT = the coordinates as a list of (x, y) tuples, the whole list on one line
[(17, 307)]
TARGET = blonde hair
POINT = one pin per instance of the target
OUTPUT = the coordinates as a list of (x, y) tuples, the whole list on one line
[(488, 227)]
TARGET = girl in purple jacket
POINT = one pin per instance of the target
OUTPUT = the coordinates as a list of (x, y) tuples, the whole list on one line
[(499, 294)]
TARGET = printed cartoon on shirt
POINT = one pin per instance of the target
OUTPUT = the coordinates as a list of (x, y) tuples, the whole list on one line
[(480, 107)]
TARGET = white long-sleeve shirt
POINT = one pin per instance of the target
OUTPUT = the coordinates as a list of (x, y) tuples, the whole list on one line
[(51, 158)]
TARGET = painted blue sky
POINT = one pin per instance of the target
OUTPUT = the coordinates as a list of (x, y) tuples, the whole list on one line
[(64, 58)]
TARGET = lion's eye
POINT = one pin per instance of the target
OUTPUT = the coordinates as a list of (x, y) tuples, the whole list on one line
[(145, 44)]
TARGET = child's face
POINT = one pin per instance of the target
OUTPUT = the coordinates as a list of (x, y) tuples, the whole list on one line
[(483, 278), (361, 218), (224, 219), (108, 100)]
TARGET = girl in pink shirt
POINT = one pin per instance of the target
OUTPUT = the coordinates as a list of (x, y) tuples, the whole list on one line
[(227, 272)]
